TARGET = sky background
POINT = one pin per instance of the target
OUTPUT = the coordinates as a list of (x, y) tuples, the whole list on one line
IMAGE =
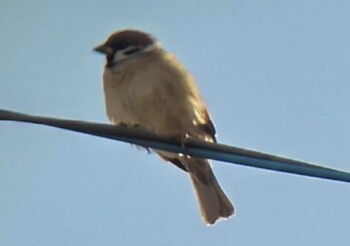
[(274, 74)]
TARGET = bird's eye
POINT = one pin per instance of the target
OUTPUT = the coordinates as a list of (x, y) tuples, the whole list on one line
[(122, 54), (132, 50)]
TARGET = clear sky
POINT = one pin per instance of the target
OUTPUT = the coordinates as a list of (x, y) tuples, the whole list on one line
[(275, 76)]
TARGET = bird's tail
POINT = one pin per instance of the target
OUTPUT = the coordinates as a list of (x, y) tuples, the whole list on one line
[(213, 202)]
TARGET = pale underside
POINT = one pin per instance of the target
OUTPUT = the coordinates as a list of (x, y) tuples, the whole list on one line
[(155, 95)]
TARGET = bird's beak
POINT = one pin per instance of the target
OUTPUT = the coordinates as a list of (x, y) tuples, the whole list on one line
[(104, 49)]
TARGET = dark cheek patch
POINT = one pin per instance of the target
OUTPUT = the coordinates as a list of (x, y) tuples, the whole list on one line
[(132, 50)]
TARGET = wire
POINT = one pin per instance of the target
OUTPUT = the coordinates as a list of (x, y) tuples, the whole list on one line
[(193, 147)]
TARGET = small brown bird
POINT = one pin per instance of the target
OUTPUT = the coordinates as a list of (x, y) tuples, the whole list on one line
[(146, 86)]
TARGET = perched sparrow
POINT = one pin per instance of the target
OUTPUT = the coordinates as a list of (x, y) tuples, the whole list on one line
[(144, 85)]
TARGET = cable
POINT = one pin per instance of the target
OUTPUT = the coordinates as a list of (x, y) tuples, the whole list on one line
[(192, 147)]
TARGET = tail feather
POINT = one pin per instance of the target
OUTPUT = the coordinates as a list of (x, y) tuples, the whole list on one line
[(213, 202)]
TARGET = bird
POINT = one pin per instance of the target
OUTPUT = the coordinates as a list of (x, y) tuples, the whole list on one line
[(145, 86)]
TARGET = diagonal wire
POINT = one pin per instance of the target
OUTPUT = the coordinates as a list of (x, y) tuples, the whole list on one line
[(193, 147)]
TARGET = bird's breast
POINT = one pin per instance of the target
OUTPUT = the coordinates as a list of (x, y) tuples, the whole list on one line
[(155, 96)]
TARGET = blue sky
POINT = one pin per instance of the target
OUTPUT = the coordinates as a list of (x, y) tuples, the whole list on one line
[(275, 76)]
